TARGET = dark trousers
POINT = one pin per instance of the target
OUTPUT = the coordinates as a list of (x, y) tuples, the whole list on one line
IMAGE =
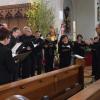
[(97, 72), (38, 63), (95, 67), (94, 63)]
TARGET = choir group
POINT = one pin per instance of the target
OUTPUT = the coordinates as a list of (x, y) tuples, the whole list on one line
[(41, 52)]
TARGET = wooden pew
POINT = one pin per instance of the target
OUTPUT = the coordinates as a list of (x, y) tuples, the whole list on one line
[(80, 62), (58, 85), (92, 92)]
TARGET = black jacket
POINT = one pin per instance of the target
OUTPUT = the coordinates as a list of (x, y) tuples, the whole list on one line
[(51, 47), (79, 48), (13, 41), (39, 47), (27, 41), (7, 65), (64, 54)]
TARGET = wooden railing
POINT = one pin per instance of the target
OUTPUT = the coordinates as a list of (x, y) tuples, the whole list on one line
[(57, 85)]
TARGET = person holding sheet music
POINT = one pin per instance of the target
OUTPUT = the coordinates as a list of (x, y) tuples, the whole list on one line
[(15, 34), (7, 64), (94, 47), (64, 49), (97, 54), (27, 64), (38, 52), (49, 49), (79, 46)]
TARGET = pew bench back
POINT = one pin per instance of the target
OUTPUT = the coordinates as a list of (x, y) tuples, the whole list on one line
[(57, 85)]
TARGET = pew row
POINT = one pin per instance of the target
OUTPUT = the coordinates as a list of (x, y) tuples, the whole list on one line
[(57, 85), (92, 92)]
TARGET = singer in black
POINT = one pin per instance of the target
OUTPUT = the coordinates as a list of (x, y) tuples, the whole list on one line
[(97, 54), (49, 49), (15, 34), (79, 46), (38, 52), (94, 55), (27, 65), (7, 64), (64, 49)]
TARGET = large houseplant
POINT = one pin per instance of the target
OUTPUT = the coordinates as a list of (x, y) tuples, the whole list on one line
[(40, 16)]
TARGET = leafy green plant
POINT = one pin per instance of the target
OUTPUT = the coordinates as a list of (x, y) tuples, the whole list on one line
[(40, 16)]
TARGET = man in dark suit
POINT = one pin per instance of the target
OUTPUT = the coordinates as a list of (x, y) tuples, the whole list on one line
[(15, 34), (27, 65), (94, 47), (7, 65), (97, 73), (79, 46), (38, 52)]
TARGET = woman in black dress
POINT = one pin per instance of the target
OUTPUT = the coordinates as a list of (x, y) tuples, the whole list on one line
[(49, 49), (64, 49), (79, 46), (7, 64)]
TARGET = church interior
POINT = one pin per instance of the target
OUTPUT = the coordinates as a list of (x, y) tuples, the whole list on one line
[(49, 50)]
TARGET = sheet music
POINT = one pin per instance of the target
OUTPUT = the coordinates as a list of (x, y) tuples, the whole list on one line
[(14, 49), (13, 54), (35, 45), (78, 56), (21, 57)]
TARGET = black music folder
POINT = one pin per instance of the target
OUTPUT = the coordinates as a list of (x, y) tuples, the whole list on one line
[(21, 57)]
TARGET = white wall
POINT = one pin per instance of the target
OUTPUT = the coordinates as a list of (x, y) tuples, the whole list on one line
[(84, 15), (57, 6), (82, 11)]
